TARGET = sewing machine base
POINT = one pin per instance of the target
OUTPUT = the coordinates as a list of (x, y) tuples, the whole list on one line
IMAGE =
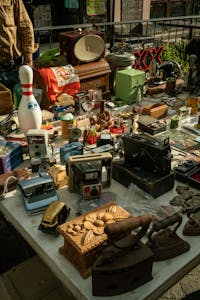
[(152, 183)]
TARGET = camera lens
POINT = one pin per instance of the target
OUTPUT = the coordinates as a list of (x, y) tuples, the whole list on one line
[(189, 163), (94, 192)]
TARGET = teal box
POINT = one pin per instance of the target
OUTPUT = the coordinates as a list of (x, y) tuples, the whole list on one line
[(129, 85)]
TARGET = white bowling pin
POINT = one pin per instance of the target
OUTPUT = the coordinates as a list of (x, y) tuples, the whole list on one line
[(29, 112)]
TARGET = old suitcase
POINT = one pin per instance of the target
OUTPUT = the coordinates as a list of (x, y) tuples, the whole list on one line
[(69, 39), (94, 75), (6, 102)]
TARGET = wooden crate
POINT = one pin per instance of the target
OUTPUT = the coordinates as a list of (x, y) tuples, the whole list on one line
[(6, 101)]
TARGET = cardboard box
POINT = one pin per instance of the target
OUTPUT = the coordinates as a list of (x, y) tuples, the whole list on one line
[(6, 102), (129, 84)]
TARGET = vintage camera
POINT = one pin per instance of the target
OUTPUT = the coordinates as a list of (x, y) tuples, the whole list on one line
[(38, 143), (7, 127), (87, 179), (88, 173), (185, 169), (37, 192), (147, 153), (74, 148)]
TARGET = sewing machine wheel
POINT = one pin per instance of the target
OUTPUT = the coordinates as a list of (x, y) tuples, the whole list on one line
[(176, 68)]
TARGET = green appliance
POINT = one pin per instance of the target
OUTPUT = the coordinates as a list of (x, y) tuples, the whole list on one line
[(129, 85)]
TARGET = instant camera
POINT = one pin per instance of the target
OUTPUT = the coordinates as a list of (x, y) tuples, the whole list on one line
[(89, 173), (37, 192)]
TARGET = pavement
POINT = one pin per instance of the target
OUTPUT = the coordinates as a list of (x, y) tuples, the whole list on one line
[(32, 280)]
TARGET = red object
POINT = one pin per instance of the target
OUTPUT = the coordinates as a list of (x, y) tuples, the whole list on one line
[(60, 80), (145, 56), (92, 139), (117, 130), (47, 126)]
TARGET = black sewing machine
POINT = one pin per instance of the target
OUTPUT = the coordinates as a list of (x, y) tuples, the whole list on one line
[(147, 163), (192, 49)]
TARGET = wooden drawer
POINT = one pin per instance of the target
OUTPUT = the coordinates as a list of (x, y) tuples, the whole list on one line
[(94, 75)]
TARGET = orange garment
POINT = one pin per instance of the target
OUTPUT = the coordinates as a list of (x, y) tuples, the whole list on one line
[(60, 80)]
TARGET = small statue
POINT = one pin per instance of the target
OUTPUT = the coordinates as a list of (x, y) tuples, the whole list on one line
[(135, 124)]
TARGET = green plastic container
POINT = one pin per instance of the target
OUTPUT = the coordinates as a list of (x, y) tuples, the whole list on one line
[(129, 85)]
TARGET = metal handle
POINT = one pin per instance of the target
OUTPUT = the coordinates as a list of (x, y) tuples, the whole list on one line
[(115, 230), (176, 218)]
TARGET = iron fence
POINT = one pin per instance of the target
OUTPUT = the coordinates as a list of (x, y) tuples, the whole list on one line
[(134, 32)]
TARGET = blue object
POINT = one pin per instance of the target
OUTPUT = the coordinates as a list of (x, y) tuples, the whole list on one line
[(74, 148), (71, 3), (13, 157)]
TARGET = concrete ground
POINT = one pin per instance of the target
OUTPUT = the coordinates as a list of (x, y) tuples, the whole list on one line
[(32, 280)]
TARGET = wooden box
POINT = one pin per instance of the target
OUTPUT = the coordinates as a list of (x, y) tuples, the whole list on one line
[(161, 88), (84, 236), (6, 101), (94, 75), (68, 39), (157, 110)]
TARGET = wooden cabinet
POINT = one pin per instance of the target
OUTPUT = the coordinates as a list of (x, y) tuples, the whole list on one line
[(94, 75)]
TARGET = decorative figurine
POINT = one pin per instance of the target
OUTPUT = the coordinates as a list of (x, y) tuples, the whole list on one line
[(135, 124)]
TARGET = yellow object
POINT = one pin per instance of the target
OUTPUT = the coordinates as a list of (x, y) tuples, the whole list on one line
[(193, 102), (50, 216)]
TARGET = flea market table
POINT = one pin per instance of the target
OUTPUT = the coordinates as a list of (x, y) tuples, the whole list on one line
[(165, 273)]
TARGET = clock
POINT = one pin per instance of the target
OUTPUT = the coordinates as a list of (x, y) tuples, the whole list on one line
[(87, 105), (89, 48), (82, 46)]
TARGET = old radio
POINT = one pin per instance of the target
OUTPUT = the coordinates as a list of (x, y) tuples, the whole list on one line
[(82, 46)]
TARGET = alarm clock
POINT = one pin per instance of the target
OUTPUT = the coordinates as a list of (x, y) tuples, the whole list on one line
[(82, 46)]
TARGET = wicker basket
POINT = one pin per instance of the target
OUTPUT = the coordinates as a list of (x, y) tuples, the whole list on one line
[(6, 102)]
